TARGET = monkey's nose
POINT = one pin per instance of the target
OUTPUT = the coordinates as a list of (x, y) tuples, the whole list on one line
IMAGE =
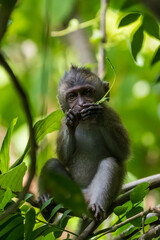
[(80, 107)]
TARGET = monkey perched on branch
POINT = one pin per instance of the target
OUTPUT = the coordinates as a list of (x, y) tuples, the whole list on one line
[(92, 143)]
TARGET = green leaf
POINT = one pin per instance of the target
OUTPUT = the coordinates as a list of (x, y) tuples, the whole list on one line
[(157, 80), (139, 192), (41, 128), (13, 178), (28, 195), (65, 191), (120, 210), (10, 224), (50, 230), (130, 18), (137, 41), (151, 220), (17, 233), (134, 211), (29, 223), (48, 125), (4, 153), (68, 237), (39, 231), (7, 197), (55, 210), (64, 219), (156, 57), (58, 234), (46, 204), (151, 26)]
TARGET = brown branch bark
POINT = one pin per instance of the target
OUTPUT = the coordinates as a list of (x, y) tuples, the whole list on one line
[(26, 107)]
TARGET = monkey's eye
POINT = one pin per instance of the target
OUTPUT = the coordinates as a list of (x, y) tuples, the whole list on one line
[(88, 92), (71, 96)]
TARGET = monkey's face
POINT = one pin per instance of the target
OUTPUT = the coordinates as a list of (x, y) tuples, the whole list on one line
[(77, 96)]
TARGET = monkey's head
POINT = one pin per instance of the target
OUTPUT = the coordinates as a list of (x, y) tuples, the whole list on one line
[(80, 86)]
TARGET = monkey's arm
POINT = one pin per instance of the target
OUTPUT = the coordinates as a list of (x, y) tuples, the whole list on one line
[(107, 182), (105, 186), (115, 135)]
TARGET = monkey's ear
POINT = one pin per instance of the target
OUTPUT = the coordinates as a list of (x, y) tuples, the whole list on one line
[(106, 89)]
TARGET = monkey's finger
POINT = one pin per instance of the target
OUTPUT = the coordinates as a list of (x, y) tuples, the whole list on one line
[(72, 114), (91, 108), (90, 113), (93, 207), (90, 104), (99, 212), (69, 122)]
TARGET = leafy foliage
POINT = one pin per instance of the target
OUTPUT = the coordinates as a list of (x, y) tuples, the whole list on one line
[(128, 19), (137, 41), (148, 24), (41, 128), (156, 57), (4, 153), (120, 210), (139, 192), (13, 178), (12, 228)]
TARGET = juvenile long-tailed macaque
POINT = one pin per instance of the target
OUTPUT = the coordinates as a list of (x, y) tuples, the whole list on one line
[(92, 143)]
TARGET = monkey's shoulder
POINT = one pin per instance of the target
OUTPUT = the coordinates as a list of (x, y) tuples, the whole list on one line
[(110, 116)]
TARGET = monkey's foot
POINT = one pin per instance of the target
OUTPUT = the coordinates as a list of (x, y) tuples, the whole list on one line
[(97, 210)]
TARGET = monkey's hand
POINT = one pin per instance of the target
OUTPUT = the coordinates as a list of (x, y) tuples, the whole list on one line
[(97, 210), (72, 118), (90, 110)]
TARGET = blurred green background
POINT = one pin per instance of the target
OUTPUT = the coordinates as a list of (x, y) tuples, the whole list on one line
[(39, 61)]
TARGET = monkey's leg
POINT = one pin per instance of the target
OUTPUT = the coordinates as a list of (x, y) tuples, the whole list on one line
[(51, 167), (105, 186)]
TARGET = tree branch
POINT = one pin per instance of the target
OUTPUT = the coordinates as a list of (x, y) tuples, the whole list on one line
[(151, 234), (101, 53), (151, 179), (25, 103)]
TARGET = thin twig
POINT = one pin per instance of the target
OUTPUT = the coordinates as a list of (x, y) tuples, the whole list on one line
[(71, 29), (25, 103)]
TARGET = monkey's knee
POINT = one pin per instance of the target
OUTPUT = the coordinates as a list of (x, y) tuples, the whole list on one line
[(111, 165), (54, 166)]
